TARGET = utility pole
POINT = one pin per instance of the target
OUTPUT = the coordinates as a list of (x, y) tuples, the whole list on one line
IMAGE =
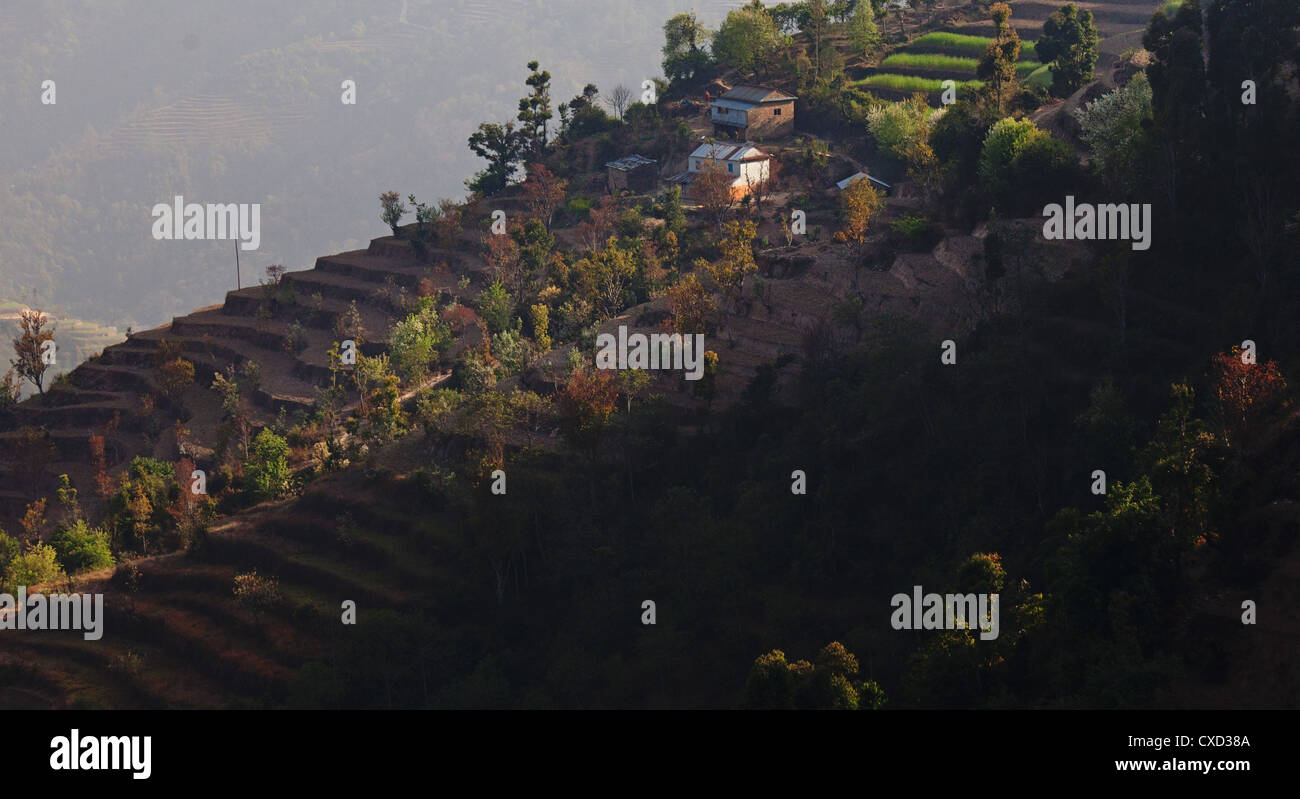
[(237, 285)]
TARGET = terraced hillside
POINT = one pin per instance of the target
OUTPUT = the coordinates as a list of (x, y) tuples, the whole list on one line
[(952, 50), (115, 393)]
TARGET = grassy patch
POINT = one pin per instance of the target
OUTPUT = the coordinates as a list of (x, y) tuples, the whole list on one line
[(963, 44), (1041, 77), (911, 83), (948, 63)]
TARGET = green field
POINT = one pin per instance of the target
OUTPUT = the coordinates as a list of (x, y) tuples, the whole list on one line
[(911, 83), (949, 63), (966, 45)]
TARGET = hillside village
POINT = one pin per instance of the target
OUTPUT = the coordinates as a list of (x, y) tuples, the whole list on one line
[(812, 197)]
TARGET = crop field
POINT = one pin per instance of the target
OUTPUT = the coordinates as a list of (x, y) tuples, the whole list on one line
[(963, 44), (911, 83), (947, 63)]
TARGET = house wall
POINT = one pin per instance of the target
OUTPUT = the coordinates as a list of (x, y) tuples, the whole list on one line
[(728, 115), (771, 120)]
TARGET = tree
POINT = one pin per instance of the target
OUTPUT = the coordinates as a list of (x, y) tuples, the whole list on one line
[(862, 31), (82, 548), (683, 51), (1069, 44), (1116, 129), (815, 27), (543, 193), (30, 348), (618, 100), (777, 684), (745, 40), (585, 406), (38, 565), (417, 340), (689, 306), (501, 146), (712, 189), (535, 111), (998, 66), (858, 204), (902, 129), (11, 390), (737, 259), (392, 210), (174, 378), (268, 465), (1245, 391)]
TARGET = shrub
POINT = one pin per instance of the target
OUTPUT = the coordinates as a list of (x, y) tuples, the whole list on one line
[(268, 465), (82, 548)]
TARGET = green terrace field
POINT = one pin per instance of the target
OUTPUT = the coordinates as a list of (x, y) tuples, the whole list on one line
[(925, 63), (947, 63), (911, 83), (962, 44)]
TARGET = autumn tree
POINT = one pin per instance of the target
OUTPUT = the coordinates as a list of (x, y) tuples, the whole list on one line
[(585, 406), (595, 230), (858, 204), (737, 259), (712, 189), (174, 378), (690, 306), (33, 355), (543, 193), (998, 66), (1245, 390), (502, 254)]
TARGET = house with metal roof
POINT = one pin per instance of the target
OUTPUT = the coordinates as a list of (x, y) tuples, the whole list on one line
[(634, 173), (753, 112), (747, 166)]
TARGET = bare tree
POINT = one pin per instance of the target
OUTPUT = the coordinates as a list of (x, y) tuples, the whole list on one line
[(619, 99)]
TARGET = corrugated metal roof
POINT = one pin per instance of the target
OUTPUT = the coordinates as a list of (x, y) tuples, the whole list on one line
[(755, 95), (723, 102), (851, 179), (630, 162)]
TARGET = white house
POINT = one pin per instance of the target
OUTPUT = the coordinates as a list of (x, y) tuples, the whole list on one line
[(746, 165)]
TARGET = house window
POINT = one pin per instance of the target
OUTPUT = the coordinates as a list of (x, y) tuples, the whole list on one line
[(776, 112), (731, 167)]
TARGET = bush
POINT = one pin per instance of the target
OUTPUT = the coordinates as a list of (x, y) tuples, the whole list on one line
[(268, 465), (39, 564), (82, 548)]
